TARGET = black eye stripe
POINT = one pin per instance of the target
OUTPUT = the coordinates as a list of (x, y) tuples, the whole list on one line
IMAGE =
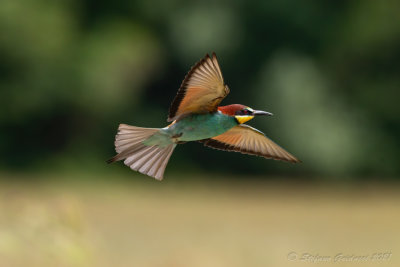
[(244, 112)]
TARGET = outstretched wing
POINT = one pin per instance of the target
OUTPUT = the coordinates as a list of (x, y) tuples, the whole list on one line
[(248, 140), (201, 91)]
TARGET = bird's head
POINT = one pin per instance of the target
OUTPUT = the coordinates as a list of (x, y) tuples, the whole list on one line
[(241, 113)]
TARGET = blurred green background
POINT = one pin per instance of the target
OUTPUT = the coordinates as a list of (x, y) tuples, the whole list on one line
[(71, 71)]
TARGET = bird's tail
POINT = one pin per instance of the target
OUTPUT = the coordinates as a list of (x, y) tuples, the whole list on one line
[(150, 159)]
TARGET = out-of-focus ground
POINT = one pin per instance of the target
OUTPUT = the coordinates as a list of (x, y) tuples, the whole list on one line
[(141, 222)]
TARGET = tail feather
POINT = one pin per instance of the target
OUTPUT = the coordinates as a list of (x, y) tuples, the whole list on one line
[(150, 160), (160, 164)]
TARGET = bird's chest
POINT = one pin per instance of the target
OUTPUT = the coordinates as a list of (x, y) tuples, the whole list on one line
[(201, 126)]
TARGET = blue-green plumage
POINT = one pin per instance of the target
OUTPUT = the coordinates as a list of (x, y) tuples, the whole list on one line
[(193, 127)]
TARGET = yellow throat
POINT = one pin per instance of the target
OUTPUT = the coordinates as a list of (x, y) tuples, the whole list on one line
[(243, 118)]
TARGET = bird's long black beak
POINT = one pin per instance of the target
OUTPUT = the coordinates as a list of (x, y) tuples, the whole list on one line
[(260, 113)]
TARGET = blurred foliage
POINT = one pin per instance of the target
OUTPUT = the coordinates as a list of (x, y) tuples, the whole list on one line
[(71, 71)]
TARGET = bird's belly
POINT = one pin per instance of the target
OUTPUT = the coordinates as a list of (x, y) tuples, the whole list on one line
[(201, 126)]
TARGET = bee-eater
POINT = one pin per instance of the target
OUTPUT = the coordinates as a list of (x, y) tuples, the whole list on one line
[(196, 116)]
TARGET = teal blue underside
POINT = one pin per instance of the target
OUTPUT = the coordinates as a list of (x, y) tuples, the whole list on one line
[(192, 128)]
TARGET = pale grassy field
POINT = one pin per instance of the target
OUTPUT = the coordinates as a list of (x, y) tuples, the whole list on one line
[(176, 223)]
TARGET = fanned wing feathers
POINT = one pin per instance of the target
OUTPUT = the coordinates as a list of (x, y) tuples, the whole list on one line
[(201, 91), (248, 140)]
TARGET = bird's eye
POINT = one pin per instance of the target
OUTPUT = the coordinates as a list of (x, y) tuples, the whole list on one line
[(247, 112), (243, 112)]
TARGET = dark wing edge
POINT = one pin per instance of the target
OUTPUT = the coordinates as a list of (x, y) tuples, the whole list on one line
[(215, 144), (182, 89)]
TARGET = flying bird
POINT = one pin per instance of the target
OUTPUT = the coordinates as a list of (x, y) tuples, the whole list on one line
[(196, 116)]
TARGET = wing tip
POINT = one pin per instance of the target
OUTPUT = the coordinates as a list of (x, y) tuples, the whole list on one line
[(296, 160), (213, 57), (290, 160)]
